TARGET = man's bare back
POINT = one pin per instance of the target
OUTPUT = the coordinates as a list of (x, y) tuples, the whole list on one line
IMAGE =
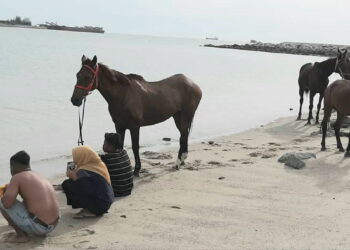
[(38, 195)]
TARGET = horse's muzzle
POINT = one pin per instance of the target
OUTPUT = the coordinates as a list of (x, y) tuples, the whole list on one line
[(76, 102)]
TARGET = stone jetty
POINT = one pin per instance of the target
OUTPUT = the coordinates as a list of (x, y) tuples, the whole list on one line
[(313, 49)]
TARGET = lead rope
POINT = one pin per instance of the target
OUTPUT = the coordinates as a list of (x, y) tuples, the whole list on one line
[(81, 122)]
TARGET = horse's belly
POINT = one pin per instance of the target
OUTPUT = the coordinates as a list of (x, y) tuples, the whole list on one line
[(155, 118)]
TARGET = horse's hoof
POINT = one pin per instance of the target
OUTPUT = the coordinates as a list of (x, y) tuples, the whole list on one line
[(317, 122), (341, 150), (178, 164), (298, 118), (323, 149), (137, 173), (347, 154)]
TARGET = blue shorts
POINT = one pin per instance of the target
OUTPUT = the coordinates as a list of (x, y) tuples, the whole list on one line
[(20, 216)]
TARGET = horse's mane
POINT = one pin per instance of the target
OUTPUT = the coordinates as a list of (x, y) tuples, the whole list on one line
[(135, 76), (113, 75)]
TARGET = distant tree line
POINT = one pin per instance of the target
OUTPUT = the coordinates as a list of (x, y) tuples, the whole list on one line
[(17, 21)]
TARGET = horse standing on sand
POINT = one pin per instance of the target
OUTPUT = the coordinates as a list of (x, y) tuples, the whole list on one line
[(336, 96), (134, 102), (314, 78)]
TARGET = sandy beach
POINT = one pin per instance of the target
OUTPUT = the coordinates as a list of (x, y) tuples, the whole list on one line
[(232, 194)]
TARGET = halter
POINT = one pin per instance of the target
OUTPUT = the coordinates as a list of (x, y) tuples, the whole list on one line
[(340, 71), (90, 87)]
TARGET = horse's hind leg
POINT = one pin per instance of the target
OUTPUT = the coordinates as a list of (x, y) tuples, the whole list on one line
[(135, 135), (337, 125), (301, 94), (326, 116), (319, 107), (184, 130), (347, 153)]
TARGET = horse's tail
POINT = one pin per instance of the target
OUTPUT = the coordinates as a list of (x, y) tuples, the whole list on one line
[(199, 96), (189, 129)]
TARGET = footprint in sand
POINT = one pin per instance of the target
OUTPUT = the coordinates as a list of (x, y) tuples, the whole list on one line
[(267, 156), (254, 154), (301, 140), (247, 162), (154, 163), (214, 163), (144, 171), (274, 144), (84, 232), (156, 156), (82, 245), (247, 147), (176, 207)]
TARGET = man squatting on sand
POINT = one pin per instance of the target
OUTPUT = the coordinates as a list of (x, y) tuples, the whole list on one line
[(118, 164), (38, 214)]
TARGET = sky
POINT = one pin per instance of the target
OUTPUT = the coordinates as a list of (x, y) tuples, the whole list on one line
[(237, 20)]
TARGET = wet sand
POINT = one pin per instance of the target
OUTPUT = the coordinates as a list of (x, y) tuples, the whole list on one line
[(232, 194)]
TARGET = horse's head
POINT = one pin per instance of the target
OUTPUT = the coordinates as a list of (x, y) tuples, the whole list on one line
[(87, 80), (342, 65)]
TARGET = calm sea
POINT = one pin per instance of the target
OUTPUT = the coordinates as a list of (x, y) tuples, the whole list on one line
[(241, 90)]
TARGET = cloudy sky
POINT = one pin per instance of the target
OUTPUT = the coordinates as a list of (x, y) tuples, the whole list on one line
[(240, 20)]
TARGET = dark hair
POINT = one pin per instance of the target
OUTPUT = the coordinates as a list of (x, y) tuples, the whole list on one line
[(21, 157), (114, 139)]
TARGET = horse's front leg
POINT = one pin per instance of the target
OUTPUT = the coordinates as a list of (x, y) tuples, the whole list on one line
[(135, 136), (319, 107), (310, 107), (301, 94), (121, 132)]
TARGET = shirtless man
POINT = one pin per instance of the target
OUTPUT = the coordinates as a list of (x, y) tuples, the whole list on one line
[(38, 214)]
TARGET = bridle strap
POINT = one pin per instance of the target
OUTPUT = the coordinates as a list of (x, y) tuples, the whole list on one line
[(94, 79), (81, 123), (340, 71), (90, 87)]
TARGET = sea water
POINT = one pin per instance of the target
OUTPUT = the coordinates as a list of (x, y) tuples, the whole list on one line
[(241, 90)]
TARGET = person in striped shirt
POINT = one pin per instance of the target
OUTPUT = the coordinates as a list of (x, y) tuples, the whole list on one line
[(118, 164)]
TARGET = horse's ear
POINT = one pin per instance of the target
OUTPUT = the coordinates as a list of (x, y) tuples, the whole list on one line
[(94, 60), (83, 59)]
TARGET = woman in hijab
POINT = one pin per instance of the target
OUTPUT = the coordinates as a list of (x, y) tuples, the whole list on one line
[(89, 185)]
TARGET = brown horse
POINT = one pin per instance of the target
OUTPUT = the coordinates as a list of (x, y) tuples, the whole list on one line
[(134, 102), (314, 78), (336, 96)]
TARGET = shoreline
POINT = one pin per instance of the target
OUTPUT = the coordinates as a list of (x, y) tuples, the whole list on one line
[(232, 193), (52, 165), (307, 49)]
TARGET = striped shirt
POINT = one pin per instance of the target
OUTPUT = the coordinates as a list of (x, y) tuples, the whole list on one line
[(120, 171)]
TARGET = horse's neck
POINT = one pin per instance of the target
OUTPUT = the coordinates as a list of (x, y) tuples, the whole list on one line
[(328, 66), (113, 91)]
